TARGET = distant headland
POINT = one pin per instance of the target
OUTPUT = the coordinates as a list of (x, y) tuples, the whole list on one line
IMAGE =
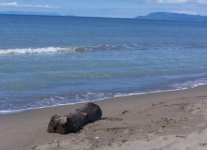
[(165, 16), (31, 13), (173, 17)]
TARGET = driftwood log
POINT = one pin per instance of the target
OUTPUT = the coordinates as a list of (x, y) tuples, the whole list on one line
[(74, 122)]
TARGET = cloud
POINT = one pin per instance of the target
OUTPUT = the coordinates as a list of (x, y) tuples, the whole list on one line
[(179, 1), (16, 4), (9, 4), (184, 12)]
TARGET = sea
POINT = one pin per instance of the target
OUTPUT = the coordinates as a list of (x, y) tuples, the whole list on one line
[(54, 60)]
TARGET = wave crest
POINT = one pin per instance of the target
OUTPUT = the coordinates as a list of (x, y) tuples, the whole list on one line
[(47, 50), (34, 51)]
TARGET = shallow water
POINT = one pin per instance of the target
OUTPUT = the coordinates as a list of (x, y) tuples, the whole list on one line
[(47, 61)]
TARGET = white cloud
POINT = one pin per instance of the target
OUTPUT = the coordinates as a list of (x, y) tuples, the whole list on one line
[(179, 1), (184, 12), (16, 4), (9, 4)]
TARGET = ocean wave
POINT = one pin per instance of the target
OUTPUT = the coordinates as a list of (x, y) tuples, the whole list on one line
[(53, 101), (34, 50), (92, 97), (191, 84), (46, 50)]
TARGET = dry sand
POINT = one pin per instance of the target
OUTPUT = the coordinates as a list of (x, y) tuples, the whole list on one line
[(161, 121)]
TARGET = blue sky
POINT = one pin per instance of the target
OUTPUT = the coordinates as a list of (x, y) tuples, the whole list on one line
[(106, 8)]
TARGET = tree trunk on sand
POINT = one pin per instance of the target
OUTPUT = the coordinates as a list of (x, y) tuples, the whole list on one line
[(74, 122)]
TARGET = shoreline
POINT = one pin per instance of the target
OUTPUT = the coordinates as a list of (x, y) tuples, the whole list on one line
[(6, 112), (129, 121)]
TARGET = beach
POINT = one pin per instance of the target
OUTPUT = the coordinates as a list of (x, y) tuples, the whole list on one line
[(164, 120), (149, 77)]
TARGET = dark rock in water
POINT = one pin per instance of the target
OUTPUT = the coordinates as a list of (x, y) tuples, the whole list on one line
[(74, 122)]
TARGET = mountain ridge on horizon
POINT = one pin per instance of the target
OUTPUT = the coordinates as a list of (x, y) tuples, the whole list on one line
[(169, 16), (165, 16), (31, 13)]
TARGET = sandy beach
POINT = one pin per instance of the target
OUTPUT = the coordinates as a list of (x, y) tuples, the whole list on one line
[(160, 121)]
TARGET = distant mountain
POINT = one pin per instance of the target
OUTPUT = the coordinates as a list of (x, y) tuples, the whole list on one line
[(173, 17), (29, 13)]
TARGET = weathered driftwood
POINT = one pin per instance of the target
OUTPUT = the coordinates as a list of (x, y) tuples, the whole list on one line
[(74, 122)]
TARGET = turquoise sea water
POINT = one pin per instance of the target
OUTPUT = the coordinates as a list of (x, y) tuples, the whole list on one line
[(46, 61)]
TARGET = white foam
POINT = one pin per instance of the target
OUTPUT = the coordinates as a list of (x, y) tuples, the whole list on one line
[(117, 95), (45, 50), (36, 50), (191, 84)]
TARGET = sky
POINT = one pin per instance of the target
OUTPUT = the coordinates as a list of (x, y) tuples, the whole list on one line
[(106, 8)]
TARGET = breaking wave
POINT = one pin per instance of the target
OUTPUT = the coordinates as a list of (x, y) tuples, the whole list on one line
[(46, 50), (34, 51), (191, 84)]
